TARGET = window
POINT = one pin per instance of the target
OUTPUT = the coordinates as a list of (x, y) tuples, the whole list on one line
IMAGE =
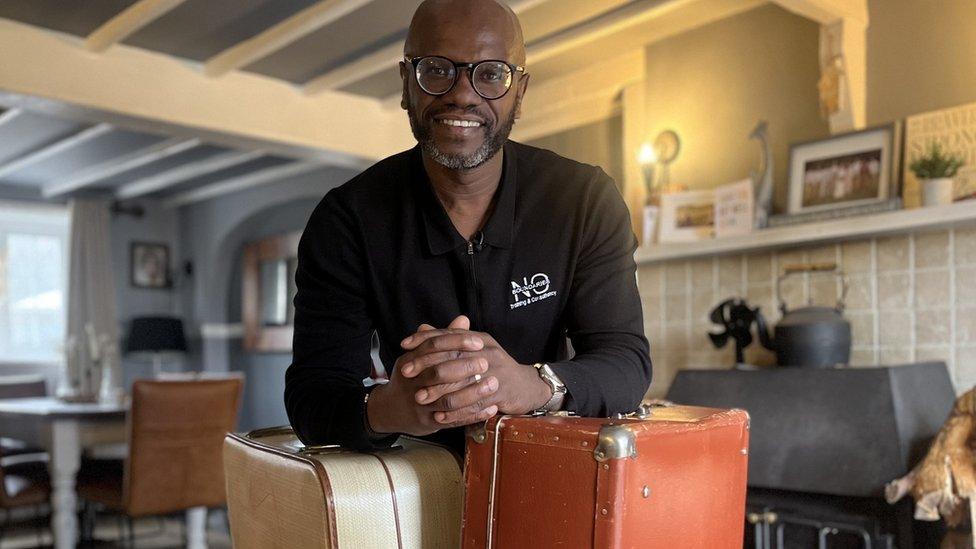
[(33, 281)]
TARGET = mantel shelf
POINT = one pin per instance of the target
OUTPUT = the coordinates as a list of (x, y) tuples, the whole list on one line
[(821, 232)]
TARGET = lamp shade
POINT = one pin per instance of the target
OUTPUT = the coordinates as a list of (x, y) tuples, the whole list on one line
[(155, 334)]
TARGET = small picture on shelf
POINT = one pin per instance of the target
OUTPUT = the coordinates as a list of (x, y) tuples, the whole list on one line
[(687, 216), (735, 209), (853, 169), (149, 265)]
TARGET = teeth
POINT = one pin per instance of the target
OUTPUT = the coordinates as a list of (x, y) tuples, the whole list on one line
[(460, 123)]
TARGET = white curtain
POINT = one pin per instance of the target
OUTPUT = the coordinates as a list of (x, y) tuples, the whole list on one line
[(92, 325)]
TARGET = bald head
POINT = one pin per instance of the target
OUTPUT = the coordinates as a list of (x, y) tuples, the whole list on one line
[(472, 25)]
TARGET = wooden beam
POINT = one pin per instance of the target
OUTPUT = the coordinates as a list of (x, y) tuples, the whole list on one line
[(130, 20), (114, 166), (239, 183), (135, 87), (54, 148), (385, 58), (185, 172), (277, 37)]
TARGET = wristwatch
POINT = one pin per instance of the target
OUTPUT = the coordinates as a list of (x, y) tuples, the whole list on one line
[(558, 388)]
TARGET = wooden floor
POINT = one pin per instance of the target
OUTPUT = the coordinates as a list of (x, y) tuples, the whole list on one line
[(150, 533)]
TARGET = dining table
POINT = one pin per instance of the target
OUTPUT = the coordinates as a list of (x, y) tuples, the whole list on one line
[(65, 430)]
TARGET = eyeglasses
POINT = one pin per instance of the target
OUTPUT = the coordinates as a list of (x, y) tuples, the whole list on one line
[(437, 75)]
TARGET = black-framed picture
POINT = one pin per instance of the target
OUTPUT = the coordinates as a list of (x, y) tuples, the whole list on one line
[(149, 265), (848, 170)]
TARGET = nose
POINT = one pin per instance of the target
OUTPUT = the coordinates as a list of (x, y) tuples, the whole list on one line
[(463, 94)]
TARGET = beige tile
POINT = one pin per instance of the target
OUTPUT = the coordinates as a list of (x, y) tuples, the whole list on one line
[(702, 304), (941, 353), (676, 307), (895, 329), (824, 290), (966, 325), (789, 257), (759, 269), (649, 278), (966, 286), (862, 329), (893, 291), (822, 254), (653, 307), (932, 249), (965, 246), (730, 273), (653, 332), (965, 368), (893, 253), (794, 292), (675, 337), (860, 293), (933, 327), (932, 289), (856, 257), (676, 277), (894, 356), (702, 274), (862, 357)]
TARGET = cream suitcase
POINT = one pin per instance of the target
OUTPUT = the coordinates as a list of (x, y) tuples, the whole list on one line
[(281, 494)]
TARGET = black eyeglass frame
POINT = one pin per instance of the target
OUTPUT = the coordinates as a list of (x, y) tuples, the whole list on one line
[(415, 62)]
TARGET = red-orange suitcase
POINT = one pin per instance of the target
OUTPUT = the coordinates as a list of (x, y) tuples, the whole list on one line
[(663, 477)]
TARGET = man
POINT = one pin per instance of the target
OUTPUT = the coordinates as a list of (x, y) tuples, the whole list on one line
[(506, 248)]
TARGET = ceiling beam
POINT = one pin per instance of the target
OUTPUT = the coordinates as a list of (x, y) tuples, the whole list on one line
[(277, 37), (179, 174), (161, 94), (54, 148), (383, 59), (239, 183), (128, 21), (114, 166)]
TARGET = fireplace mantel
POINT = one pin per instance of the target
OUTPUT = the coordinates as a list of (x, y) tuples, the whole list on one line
[(834, 230)]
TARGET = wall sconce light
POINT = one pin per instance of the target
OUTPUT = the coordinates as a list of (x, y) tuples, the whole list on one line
[(661, 153)]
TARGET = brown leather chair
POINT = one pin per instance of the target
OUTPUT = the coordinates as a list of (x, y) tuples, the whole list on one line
[(174, 463), (20, 387)]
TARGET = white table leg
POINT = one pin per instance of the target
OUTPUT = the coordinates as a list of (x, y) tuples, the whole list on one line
[(64, 462), (196, 528)]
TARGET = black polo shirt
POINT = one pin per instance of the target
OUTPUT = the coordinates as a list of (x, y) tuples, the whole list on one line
[(555, 258)]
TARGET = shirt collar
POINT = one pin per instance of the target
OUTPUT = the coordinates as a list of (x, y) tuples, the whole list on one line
[(441, 234)]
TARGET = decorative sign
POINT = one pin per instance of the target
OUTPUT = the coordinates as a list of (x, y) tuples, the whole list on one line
[(734, 209), (955, 130)]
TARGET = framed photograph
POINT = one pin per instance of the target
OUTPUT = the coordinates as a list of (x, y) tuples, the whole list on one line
[(735, 209), (848, 170), (149, 265), (687, 216)]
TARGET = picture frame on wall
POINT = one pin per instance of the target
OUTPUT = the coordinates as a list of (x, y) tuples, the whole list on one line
[(149, 265), (850, 170), (687, 216)]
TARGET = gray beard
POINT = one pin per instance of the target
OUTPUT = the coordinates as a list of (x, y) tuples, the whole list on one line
[(492, 144)]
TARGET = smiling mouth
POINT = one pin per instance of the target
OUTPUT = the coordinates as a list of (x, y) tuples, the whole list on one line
[(459, 123)]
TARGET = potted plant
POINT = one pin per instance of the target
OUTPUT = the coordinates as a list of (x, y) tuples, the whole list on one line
[(935, 170)]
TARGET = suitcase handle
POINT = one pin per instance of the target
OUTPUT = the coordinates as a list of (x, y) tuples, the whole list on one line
[(286, 430)]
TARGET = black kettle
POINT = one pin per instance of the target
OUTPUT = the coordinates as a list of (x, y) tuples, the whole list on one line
[(812, 336)]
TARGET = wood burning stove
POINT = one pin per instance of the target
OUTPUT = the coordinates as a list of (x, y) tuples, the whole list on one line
[(823, 443)]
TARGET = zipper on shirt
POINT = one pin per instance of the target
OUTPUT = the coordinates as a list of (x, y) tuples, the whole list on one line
[(474, 287)]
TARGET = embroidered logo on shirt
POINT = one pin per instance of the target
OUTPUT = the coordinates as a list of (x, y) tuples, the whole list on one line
[(531, 290)]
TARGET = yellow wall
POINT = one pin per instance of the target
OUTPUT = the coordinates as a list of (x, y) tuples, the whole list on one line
[(921, 56), (599, 144), (713, 84)]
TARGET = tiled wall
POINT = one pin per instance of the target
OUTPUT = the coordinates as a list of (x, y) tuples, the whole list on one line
[(912, 297)]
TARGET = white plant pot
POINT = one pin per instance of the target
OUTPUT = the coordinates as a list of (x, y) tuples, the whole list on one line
[(937, 192)]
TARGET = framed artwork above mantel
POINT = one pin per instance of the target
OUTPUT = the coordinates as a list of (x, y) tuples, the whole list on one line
[(268, 292)]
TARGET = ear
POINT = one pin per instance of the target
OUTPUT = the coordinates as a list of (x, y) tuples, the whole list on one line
[(405, 78), (523, 85)]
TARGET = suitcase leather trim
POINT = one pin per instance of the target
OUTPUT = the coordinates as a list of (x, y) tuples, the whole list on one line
[(396, 508)]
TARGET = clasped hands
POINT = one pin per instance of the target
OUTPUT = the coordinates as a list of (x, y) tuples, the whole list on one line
[(452, 377)]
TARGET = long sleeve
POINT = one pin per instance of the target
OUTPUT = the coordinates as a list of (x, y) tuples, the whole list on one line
[(324, 389), (611, 370)]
